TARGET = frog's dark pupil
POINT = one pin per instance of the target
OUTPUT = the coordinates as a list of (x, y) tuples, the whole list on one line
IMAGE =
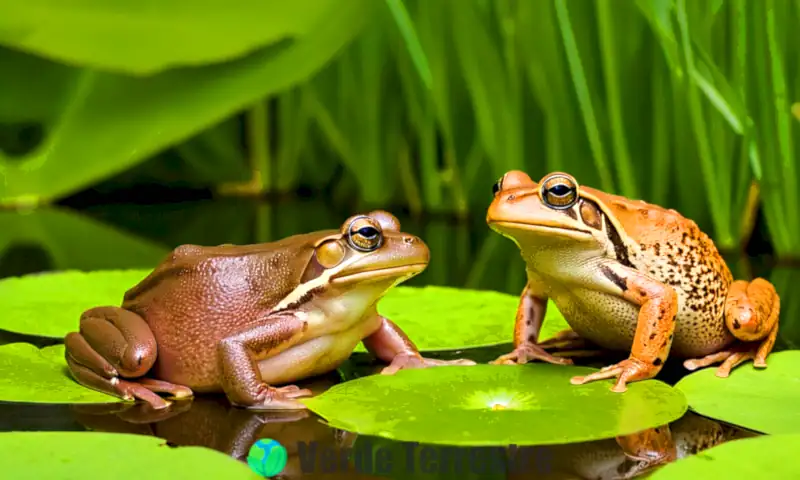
[(560, 190), (368, 232)]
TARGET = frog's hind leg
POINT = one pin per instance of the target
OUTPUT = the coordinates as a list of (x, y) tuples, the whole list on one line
[(751, 315), (113, 347)]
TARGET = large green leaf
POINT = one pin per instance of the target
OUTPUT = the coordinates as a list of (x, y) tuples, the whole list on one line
[(50, 304), (764, 400), (70, 240), (32, 375), (82, 455), (436, 318), (445, 318), (488, 404), (144, 38), (766, 457), (111, 122)]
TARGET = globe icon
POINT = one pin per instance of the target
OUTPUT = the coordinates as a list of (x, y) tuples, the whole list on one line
[(267, 457)]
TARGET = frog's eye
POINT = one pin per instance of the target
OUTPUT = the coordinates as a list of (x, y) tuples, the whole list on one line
[(498, 185), (364, 234), (330, 253), (560, 192)]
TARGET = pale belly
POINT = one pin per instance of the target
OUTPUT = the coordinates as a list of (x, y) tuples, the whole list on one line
[(316, 356), (610, 322)]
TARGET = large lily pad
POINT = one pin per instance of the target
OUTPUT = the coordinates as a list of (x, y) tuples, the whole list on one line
[(764, 400), (82, 455), (436, 318), (747, 459), (50, 304), (484, 405), (32, 375), (446, 318)]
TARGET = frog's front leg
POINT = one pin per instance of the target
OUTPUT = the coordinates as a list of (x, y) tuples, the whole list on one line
[(239, 355), (391, 345), (654, 329), (530, 315), (115, 344), (751, 315)]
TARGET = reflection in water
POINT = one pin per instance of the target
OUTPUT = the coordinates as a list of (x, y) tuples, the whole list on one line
[(316, 450)]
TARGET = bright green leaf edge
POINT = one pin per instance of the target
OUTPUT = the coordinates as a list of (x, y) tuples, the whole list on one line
[(83, 455), (452, 405), (435, 318), (747, 459), (770, 395), (32, 375)]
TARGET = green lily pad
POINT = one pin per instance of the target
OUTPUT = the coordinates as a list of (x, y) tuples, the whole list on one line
[(764, 400), (50, 304), (32, 375), (445, 318), (747, 459), (82, 455), (484, 405), (436, 318)]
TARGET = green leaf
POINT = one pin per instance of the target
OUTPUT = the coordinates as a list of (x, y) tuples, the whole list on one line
[(82, 455), (50, 304), (142, 39), (162, 110), (445, 318), (436, 318), (70, 240), (31, 375), (456, 405), (759, 399), (747, 459)]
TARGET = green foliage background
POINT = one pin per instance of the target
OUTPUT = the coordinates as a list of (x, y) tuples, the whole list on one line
[(421, 103)]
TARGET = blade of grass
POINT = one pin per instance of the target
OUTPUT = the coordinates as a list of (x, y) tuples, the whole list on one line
[(406, 27), (584, 97), (719, 216), (625, 172), (782, 120)]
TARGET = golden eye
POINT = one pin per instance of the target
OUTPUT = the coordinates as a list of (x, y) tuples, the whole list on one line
[(364, 234), (559, 192), (330, 253), (498, 185)]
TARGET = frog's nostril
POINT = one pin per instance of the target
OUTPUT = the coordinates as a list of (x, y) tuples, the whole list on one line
[(408, 240)]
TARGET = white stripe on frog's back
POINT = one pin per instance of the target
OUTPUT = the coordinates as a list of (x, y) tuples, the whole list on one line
[(305, 290)]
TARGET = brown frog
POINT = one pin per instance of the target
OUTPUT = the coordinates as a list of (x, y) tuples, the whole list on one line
[(628, 276), (241, 319)]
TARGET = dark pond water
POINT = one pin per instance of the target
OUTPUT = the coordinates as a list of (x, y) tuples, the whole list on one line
[(464, 255)]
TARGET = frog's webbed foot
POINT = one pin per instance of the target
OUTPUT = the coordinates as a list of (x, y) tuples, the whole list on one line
[(405, 361), (527, 352), (629, 370), (115, 346), (730, 358), (280, 398)]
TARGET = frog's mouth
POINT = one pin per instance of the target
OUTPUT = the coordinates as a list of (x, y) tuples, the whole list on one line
[(542, 229), (380, 273)]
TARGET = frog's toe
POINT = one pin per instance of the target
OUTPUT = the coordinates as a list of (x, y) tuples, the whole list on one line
[(525, 353), (731, 362), (626, 371), (730, 359), (293, 391), (282, 398)]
